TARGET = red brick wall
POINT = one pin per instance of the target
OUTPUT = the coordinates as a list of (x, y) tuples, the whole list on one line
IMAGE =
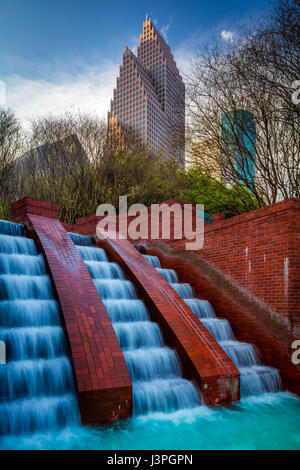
[(261, 251), (251, 321), (202, 357), (103, 382), (68, 227), (30, 205)]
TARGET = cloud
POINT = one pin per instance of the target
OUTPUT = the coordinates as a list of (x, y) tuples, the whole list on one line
[(227, 35), (89, 89), (135, 40), (183, 56), (165, 28)]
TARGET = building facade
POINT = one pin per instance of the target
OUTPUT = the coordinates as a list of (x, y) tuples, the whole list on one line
[(206, 156), (231, 154), (148, 102)]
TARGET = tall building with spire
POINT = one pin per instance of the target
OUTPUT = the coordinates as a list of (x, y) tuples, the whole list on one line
[(148, 101)]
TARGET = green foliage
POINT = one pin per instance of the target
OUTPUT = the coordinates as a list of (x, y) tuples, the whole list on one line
[(216, 196), (142, 177), (79, 185)]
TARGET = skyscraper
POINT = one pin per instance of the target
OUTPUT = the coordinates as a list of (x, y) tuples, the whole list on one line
[(238, 132), (148, 101)]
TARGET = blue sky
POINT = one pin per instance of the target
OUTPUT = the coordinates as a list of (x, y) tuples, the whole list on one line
[(58, 54)]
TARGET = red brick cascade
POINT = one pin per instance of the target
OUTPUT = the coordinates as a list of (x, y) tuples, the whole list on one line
[(202, 357), (260, 250), (103, 382), (251, 321), (260, 253)]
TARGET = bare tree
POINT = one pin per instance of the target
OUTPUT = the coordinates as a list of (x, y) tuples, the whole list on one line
[(64, 163), (71, 163), (254, 74), (10, 146)]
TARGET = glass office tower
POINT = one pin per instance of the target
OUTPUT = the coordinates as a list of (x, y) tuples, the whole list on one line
[(238, 136)]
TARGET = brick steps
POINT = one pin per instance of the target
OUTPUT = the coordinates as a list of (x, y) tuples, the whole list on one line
[(103, 383), (202, 357), (252, 321)]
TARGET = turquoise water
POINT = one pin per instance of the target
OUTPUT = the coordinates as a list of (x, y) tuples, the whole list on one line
[(37, 393), (270, 421)]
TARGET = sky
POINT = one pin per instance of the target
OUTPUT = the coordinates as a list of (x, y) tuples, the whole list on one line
[(61, 55)]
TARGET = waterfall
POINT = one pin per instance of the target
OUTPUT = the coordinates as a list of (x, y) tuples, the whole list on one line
[(36, 384), (154, 368), (256, 378)]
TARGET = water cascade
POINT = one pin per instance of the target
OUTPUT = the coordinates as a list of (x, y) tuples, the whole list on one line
[(36, 383), (154, 368), (256, 378)]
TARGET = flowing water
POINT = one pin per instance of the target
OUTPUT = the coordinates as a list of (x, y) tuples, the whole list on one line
[(256, 378), (36, 382), (155, 370), (36, 389), (267, 421)]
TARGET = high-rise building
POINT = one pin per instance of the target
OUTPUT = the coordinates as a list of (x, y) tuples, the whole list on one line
[(206, 156), (234, 147), (148, 101), (238, 132)]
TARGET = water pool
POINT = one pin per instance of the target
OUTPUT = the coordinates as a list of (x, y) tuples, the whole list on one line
[(270, 421)]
